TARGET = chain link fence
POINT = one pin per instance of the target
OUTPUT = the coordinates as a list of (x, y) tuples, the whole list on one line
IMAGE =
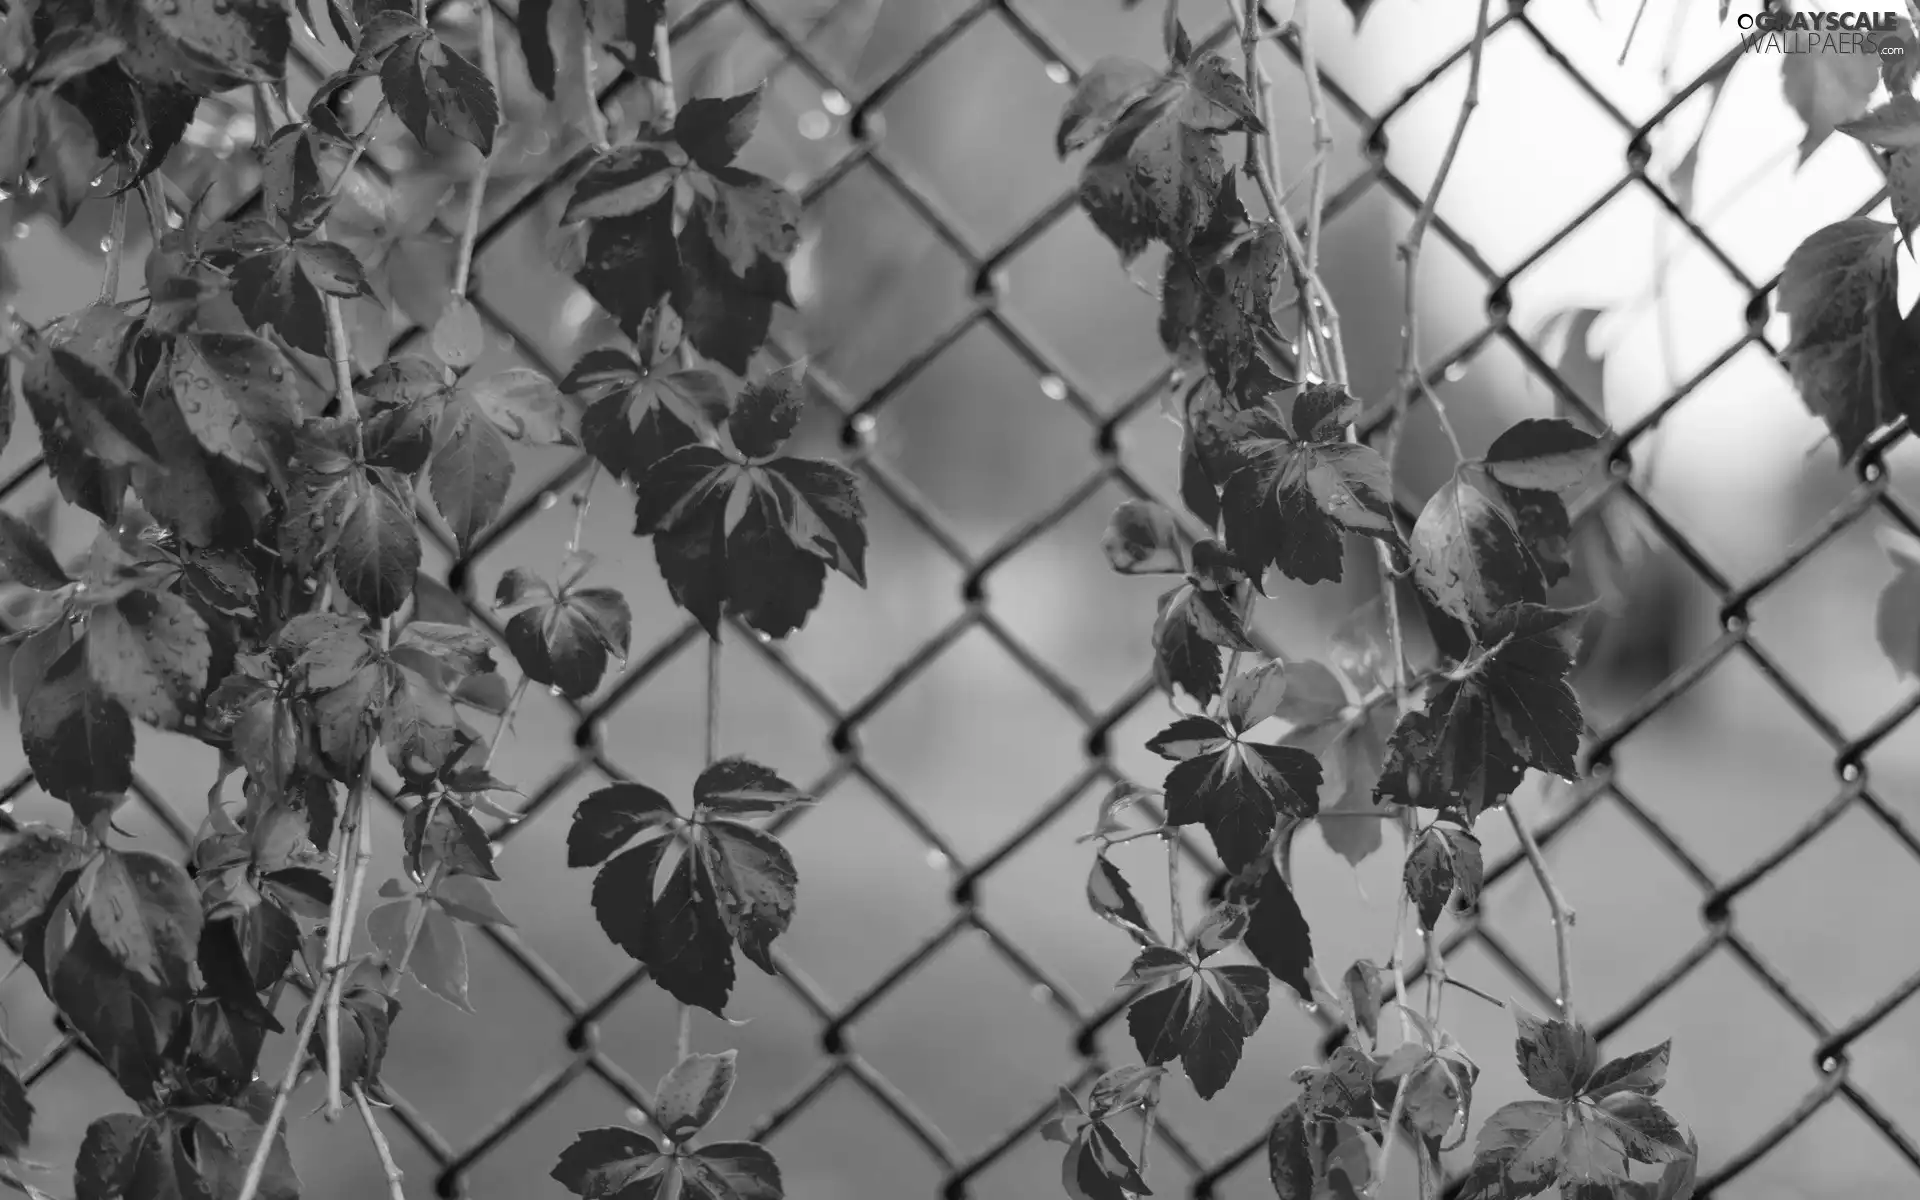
[(572, 1020)]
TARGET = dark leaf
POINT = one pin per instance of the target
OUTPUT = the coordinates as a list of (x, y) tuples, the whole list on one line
[(1254, 696), (1109, 895), (16, 1114), (378, 550), (25, 558), (607, 1162), (1645, 1071), (430, 86), (1518, 1152), (533, 23), (1645, 1129), (736, 787), (1555, 1056), (727, 311), (146, 914), (632, 263), (1221, 301), (613, 815), (31, 868), (565, 643), (751, 879), (1277, 935), (443, 834), (765, 415), (1363, 984), (1157, 172), (1289, 1166), (1428, 877), (104, 1168), (237, 394), (439, 959), (1837, 290), (149, 651), (1469, 864), (1547, 456), (1468, 554), (732, 1171), (713, 132), (78, 742), (1237, 789)]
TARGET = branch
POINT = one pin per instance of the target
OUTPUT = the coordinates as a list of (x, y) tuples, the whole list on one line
[(355, 832), (477, 191), (257, 1166), (1385, 1157), (396, 1178), (114, 245), (1411, 376), (1563, 914)]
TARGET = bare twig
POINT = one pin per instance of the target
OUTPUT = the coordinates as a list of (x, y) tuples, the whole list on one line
[(358, 149), (1412, 378), (1178, 933), (1385, 1157), (396, 1178), (356, 855), (115, 245), (477, 190), (1562, 912), (683, 1046), (257, 1166)]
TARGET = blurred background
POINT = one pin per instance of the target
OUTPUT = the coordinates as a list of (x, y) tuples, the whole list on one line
[(949, 290)]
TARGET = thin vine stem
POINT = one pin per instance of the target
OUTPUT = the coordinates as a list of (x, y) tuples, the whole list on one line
[(1385, 1156), (396, 1178), (1412, 378), (1178, 933), (356, 855), (1561, 911), (277, 1114), (358, 149), (115, 248), (477, 190)]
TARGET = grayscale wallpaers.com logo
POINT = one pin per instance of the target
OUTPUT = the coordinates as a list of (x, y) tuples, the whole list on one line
[(1778, 29)]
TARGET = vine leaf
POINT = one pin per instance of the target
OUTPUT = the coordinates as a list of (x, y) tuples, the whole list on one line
[(236, 392), (430, 86), (149, 651), (1595, 1121), (78, 741), (1532, 465), (1157, 171), (1238, 789), (471, 470), (1196, 620), (1311, 1156), (692, 1094), (621, 1162), (25, 558), (1506, 709), (1199, 1014), (637, 417), (1468, 553), (1142, 539), (283, 282), (1276, 934), (31, 867), (1851, 353), (1897, 618), (1288, 501), (439, 959), (1826, 90), (563, 639), (748, 533), (1097, 1165), (378, 550), (145, 913), (1111, 897), (1428, 878), (459, 337), (735, 885)]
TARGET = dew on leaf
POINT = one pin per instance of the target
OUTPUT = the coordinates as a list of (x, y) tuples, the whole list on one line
[(556, 691), (815, 125), (33, 185), (175, 220), (5, 195), (834, 102), (1053, 387), (106, 245), (636, 1117)]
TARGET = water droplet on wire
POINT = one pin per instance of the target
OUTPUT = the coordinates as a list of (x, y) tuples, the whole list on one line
[(549, 499), (815, 125), (1057, 71), (106, 245), (835, 103), (1455, 372), (937, 859), (1053, 387)]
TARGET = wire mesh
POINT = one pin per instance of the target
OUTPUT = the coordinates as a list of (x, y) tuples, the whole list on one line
[(578, 1017)]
